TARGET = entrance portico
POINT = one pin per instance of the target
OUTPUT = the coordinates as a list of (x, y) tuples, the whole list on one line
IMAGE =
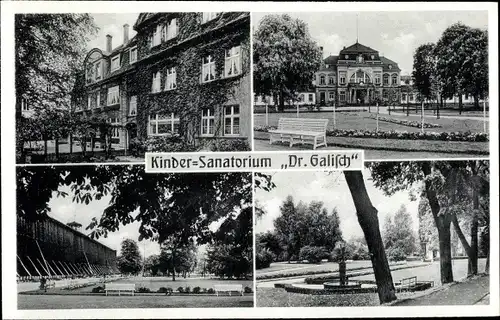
[(361, 94)]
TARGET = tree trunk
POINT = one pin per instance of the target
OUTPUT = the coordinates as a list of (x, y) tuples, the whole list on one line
[(473, 233), (460, 103), (476, 101), (487, 267), (56, 143), (173, 264), (45, 147), (466, 246), (439, 106), (442, 222), (70, 143), (368, 220)]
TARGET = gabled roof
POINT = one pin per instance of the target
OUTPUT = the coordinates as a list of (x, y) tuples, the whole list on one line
[(143, 17), (357, 48)]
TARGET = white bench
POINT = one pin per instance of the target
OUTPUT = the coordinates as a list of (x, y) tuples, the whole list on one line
[(228, 288), (299, 129), (119, 287)]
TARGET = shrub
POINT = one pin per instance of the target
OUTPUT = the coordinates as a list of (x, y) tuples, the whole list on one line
[(143, 290), (248, 289), (263, 258), (204, 290), (396, 254), (466, 136), (98, 289), (230, 145), (187, 289), (210, 290), (180, 289), (137, 147), (173, 143), (166, 290), (313, 254), (196, 290)]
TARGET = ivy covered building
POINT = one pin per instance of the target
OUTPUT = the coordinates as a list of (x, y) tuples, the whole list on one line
[(357, 75), (184, 74)]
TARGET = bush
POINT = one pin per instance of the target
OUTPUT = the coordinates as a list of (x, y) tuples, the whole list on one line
[(210, 290), (173, 143), (204, 290), (196, 290), (248, 289), (230, 145), (187, 289), (98, 289), (396, 254), (180, 289), (166, 290), (143, 290), (466, 136), (313, 254), (263, 258), (137, 147)]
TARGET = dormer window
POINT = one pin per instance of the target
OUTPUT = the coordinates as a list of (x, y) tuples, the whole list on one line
[(115, 63), (373, 57), (346, 56), (207, 16), (156, 37), (327, 66), (133, 55), (98, 70), (390, 66)]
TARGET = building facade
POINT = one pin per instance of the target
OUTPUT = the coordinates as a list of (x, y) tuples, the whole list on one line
[(50, 248), (358, 75), (182, 73)]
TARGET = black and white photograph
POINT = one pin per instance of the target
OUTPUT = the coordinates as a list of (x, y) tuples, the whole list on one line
[(98, 237), (397, 233), (399, 85), (110, 87)]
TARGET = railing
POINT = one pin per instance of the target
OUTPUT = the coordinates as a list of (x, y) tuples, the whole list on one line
[(407, 283)]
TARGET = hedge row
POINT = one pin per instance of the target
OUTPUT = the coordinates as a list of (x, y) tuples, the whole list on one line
[(293, 289), (465, 136), (169, 290)]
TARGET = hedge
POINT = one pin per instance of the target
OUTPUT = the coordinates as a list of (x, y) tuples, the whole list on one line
[(408, 123)]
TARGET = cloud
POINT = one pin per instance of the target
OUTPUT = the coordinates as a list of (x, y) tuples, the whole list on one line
[(331, 43)]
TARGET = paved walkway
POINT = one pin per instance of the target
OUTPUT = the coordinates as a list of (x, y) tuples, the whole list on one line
[(468, 292)]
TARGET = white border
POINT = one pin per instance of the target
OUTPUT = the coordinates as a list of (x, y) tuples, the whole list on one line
[(9, 301)]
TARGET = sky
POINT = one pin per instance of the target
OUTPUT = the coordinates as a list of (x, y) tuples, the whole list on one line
[(395, 35), (112, 24), (332, 190)]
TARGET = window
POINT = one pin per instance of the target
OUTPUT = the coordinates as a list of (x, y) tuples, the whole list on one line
[(115, 63), (346, 56), (156, 37), (156, 86), (359, 76), (171, 79), (385, 94), (342, 96), (410, 97), (133, 55), (98, 70), (207, 122), (132, 106), (403, 96), (207, 16), (386, 79), (322, 79), (342, 78), (331, 79), (232, 65), (115, 131), (113, 95), (372, 56), (89, 101), (232, 120), (171, 29), (394, 79), (377, 78), (160, 125), (24, 105), (98, 100), (311, 97), (331, 96), (208, 71)]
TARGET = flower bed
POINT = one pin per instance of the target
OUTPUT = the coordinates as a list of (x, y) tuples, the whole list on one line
[(466, 136), (414, 124)]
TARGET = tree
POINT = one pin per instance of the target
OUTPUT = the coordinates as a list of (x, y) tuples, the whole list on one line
[(367, 218), (129, 261), (285, 57), (177, 258), (49, 51), (475, 67), (399, 239), (269, 240), (152, 264), (289, 226)]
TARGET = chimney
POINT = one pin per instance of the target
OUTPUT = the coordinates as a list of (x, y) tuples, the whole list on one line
[(109, 41), (125, 33)]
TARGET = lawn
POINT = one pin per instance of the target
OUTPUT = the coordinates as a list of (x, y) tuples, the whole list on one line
[(303, 268), (361, 121), (102, 302)]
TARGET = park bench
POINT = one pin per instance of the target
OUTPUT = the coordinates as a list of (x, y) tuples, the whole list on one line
[(50, 284), (120, 287), (228, 288), (299, 129), (407, 283)]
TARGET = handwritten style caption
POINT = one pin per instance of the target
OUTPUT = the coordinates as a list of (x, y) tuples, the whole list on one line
[(254, 161)]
